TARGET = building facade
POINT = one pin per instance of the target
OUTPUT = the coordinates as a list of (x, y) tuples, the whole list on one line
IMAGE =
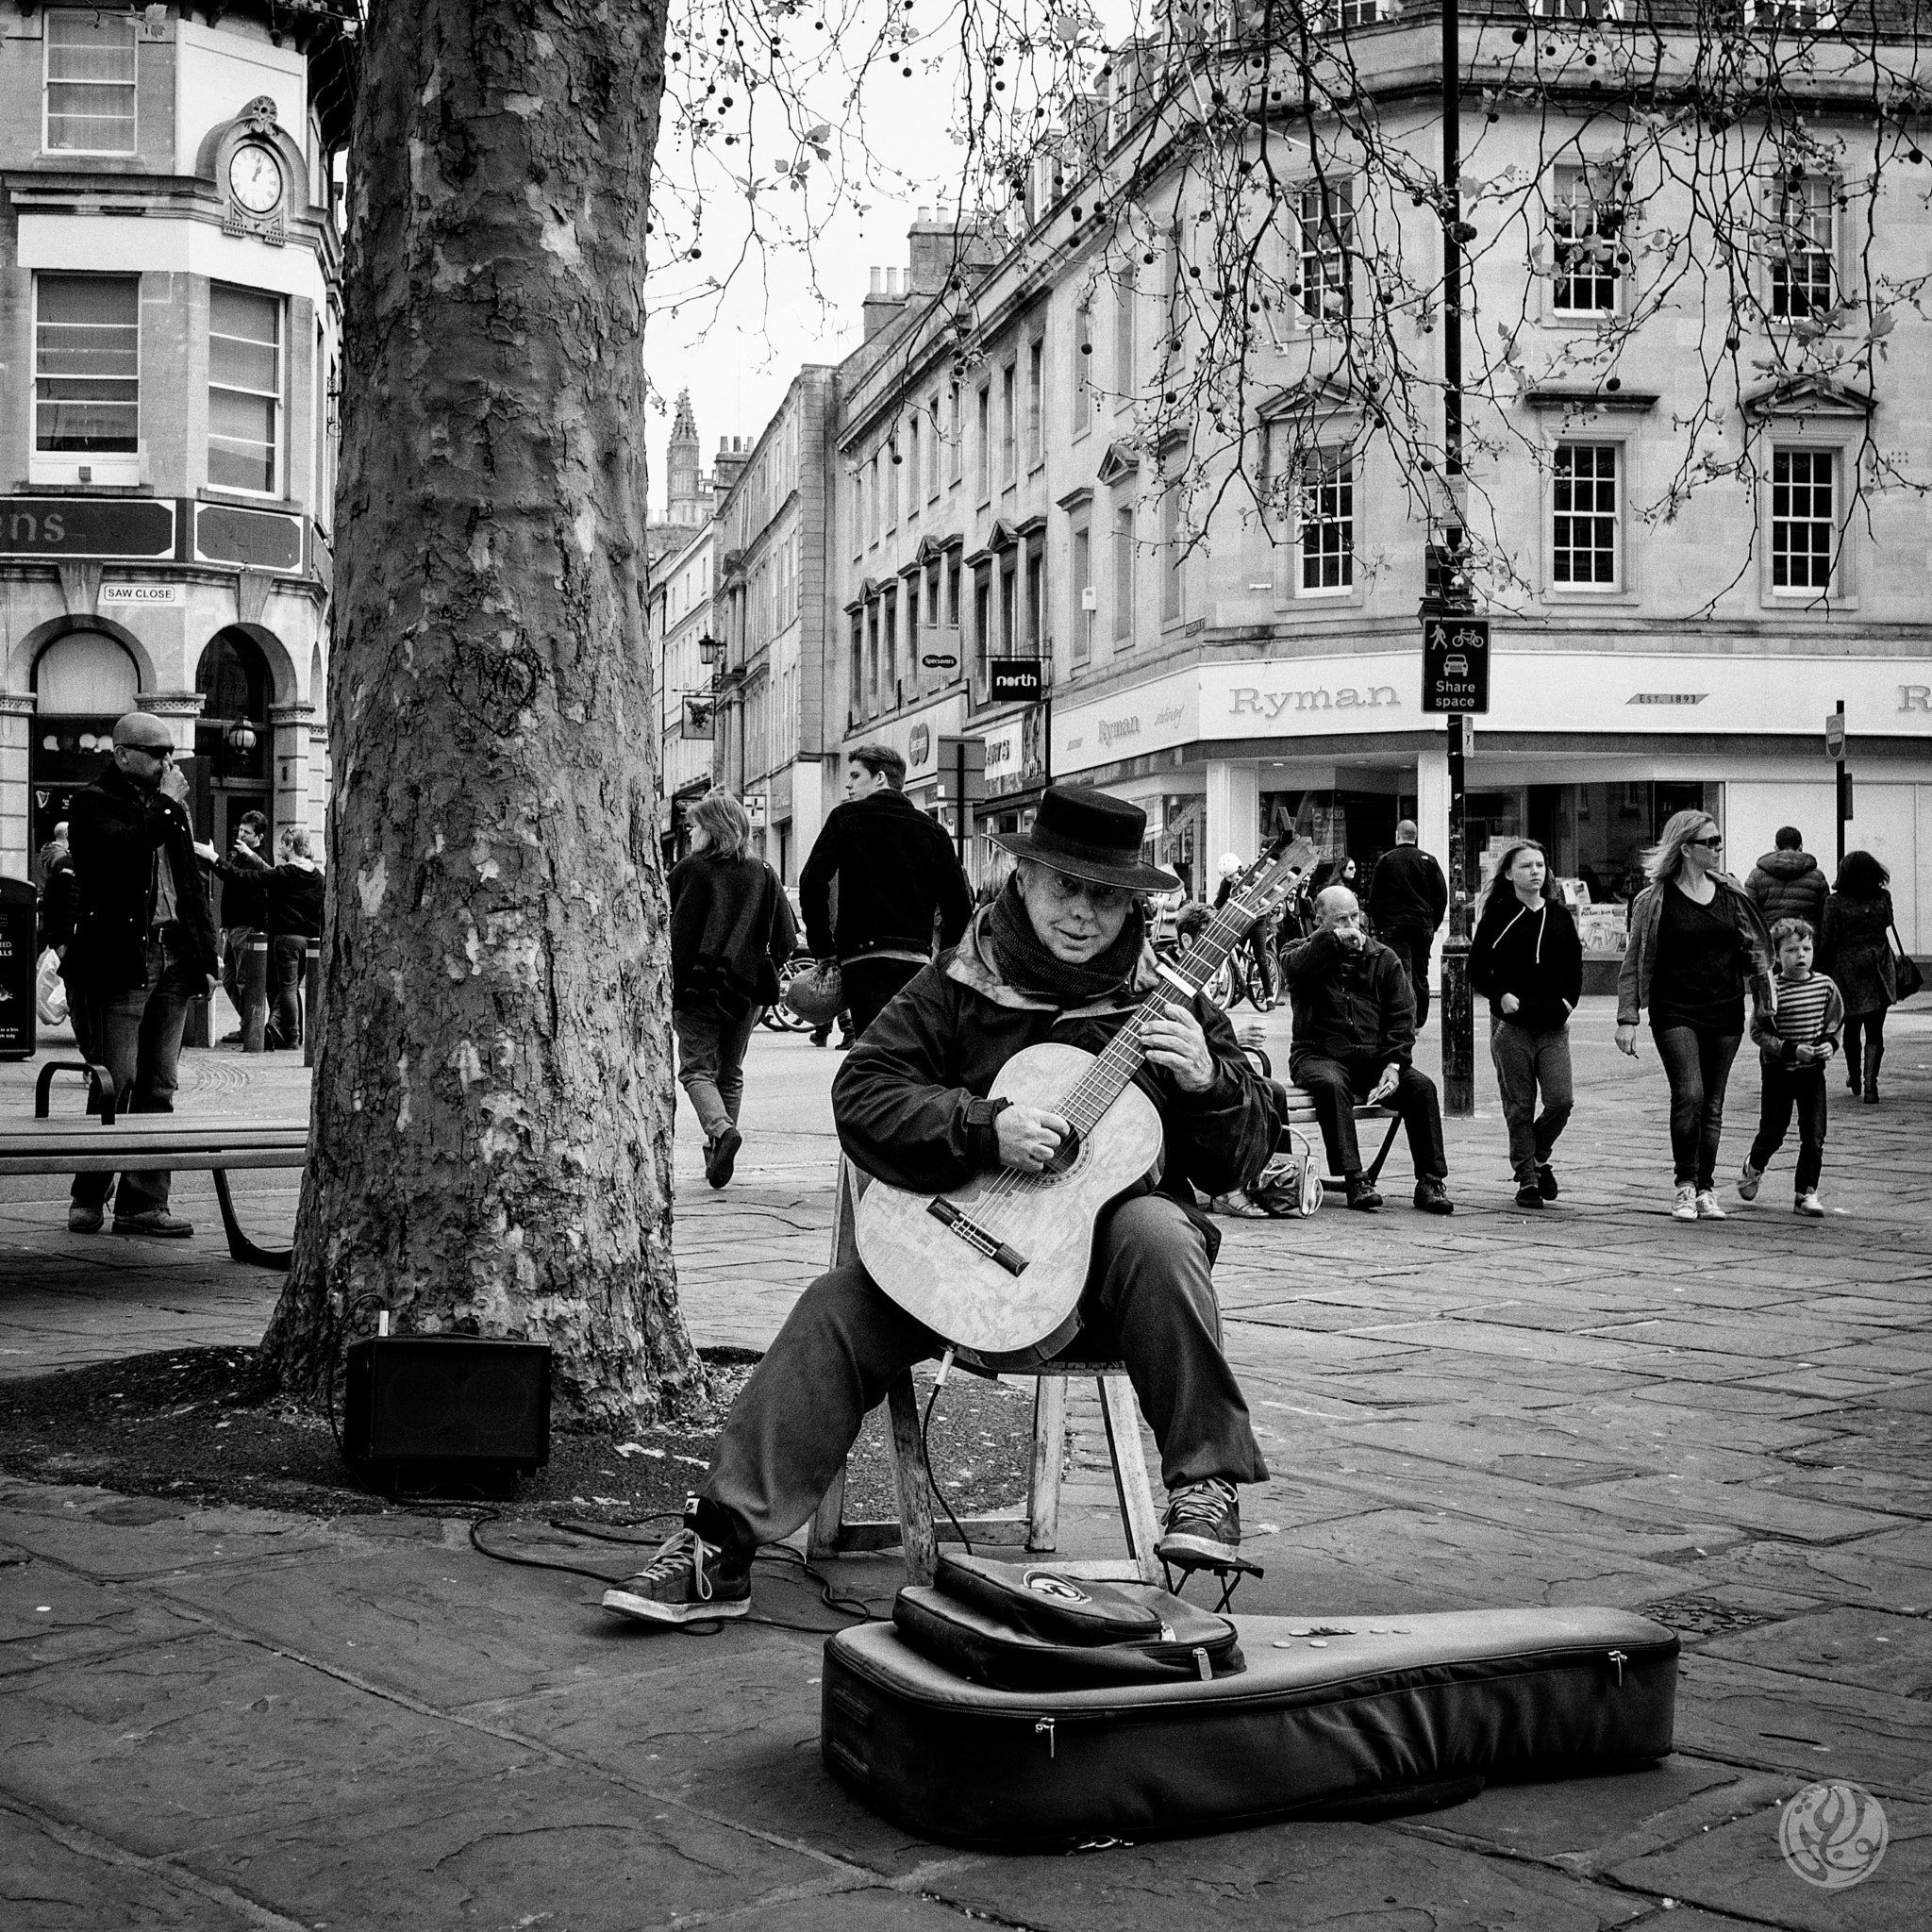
[(679, 616), (169, 266), (1229, 608)]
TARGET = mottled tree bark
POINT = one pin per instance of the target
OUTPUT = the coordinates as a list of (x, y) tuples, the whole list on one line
[(492, 1100)]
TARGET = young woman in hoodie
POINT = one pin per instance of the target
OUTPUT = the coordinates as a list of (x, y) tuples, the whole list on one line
[(1527, 958)]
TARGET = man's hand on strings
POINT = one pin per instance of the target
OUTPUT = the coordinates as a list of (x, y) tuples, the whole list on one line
[(1176, 1046), (1029, 1137)]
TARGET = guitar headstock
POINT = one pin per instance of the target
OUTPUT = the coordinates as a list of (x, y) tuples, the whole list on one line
[(1267, 883)]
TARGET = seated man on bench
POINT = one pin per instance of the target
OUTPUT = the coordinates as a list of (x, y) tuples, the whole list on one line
[(1354, 1035), (1060, 954)]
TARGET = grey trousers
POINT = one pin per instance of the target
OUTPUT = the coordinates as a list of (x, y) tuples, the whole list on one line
[(1526, 1060), (711, 1064), (1149, 1301)]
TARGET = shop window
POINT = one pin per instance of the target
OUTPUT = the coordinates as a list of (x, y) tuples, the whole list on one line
[(1586, 228), (1802, 264), (90, 90), (1325, 519), (1804, 519), (234, 683), (85, 674), (1585, 516), (1327, 220), (87, 371), (244, 389)]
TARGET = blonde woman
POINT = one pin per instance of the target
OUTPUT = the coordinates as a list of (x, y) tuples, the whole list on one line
[(731, 929), (1697, 939)]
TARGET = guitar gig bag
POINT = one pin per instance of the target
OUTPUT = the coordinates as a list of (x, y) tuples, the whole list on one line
[(1347, 1717)]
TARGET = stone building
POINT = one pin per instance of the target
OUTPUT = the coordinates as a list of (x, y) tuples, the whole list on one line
[(169, 266), (1009, 483)]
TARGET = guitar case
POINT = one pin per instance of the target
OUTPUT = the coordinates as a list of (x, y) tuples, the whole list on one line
[(1349, 1717)]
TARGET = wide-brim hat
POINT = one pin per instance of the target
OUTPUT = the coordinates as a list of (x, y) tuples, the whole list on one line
[(1090, 835)]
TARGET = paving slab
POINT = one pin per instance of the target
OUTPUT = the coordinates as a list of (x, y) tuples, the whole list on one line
[(61, 1881)]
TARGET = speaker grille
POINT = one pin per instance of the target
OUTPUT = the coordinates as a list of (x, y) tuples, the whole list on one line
[(441, 1398)]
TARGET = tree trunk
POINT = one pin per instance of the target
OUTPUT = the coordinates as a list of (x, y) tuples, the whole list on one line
[(493, 1100)]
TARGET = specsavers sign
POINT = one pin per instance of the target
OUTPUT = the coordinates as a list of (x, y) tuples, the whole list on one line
[(1598, 692)]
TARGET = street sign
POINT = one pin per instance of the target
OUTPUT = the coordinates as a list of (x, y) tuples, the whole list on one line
[(1455, 664), (1013, 677), (754, 803), (1834, 734)]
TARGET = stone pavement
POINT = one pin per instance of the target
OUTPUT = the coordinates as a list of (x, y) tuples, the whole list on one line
[(244, 1719)]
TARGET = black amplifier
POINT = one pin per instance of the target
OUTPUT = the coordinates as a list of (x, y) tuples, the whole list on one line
[(446, 1415)]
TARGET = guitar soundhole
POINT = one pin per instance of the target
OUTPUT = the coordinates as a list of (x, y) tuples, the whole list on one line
[(1067, 1154)]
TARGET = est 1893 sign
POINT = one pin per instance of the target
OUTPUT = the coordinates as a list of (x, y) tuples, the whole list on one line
[(1455, 664)]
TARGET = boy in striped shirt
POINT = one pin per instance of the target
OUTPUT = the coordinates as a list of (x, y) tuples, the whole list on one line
[(1793, 1045)]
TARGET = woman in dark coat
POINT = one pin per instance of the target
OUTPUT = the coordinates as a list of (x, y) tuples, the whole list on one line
[(731, 929), (1855, 949)]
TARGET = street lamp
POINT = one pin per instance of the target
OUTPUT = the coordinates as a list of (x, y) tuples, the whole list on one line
[(242, 737), (709, 648)]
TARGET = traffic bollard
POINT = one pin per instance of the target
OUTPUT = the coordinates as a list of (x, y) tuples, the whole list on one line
[(255, 996), (311, 999)]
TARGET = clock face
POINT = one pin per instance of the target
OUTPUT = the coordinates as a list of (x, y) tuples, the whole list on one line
[(255, 178)]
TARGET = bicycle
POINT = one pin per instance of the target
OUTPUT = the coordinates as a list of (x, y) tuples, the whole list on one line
[(778, 1016)]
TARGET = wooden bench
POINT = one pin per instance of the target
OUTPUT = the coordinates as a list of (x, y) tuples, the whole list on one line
[(112, 1142), (1036, 1527), (1300, 1123)]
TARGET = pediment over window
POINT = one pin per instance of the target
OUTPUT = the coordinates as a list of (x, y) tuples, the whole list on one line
[(1628, 402), (1120, 460), (1005, 534), (933, 549), (1809, 395), (1316, 396)]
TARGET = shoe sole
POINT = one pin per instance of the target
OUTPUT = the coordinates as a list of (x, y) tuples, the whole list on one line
[(725, 1162), (648, 1611), (1530, 1202), (1185, 1552), (1373, 1207), (154, 1233), (84, 1227)]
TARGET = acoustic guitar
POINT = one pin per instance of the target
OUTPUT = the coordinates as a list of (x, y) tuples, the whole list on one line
[(997, 1266)]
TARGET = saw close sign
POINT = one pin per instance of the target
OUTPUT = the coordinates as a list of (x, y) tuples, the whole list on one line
[(1455, 664)]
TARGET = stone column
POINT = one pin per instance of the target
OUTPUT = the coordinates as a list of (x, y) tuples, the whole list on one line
[(291, 725), (180, 709), (320, 779), (16, 798), (1234, 819)]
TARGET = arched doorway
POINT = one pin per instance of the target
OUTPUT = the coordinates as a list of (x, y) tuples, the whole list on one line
[(233, 752), (82, 681)]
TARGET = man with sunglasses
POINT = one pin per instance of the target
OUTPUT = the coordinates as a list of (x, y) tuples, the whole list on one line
[(144, 947)]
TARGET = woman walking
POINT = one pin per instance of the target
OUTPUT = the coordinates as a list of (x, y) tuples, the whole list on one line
[(1527, 958), (731, 929), (1696, 935), (1855, 949)]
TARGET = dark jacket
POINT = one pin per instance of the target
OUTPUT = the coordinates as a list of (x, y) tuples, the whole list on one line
[(59, 899), (1537, 956), (901, 1099), (1348, 1003), (1789, 884), (244, 877), (295, 902), (896, 872), (1855, 948), (114, 830), (1406, 888), (1639, 955), (731, 929)]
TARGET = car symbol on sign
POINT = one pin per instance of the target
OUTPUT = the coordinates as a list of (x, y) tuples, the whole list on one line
[(1456, 666)]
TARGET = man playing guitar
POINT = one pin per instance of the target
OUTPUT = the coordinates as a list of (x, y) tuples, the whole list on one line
[(1060, 955)]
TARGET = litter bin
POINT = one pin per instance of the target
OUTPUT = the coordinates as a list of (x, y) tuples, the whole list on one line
[(19, 951)]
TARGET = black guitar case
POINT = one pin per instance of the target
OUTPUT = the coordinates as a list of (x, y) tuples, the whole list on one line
[(1352, 1717)]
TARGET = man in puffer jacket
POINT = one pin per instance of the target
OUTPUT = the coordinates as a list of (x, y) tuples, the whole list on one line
[(1789, 883)]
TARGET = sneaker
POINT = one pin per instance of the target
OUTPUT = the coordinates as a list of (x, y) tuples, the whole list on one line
[(155, 1221), (1705, 1202), (1362, 1194), (81, 1219), (686, 1582), (720, 1155), (1546, 1181), (1747, 1182), (1432, 1196), (1810, 1206), (1530, 1195), (1204, 1525), (1683, 1206)]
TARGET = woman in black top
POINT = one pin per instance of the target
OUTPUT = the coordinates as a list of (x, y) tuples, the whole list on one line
[(1855, 949), (1527, 958), (295, 917), (1696, 935)]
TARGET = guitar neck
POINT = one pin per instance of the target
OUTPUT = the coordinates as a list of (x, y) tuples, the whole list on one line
[(1182, 979)]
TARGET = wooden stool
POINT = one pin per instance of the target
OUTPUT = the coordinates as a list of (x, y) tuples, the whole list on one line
[(1036, 1527)]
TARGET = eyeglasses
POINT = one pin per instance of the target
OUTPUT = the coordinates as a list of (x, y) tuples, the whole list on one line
[(161, 756), (1102, 898), (1713, 842)]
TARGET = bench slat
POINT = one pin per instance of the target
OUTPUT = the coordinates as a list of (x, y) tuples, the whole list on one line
[(141, 1160)]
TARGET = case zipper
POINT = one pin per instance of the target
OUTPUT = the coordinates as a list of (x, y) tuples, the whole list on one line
[(1045, 1725), (1620, 1658)]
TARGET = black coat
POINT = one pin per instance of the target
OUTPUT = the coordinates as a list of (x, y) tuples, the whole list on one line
[(114, 830), (897, 873), (59, 901), (731, 929), (295, 902), (1789, 884), (1348, 1003), (1407, 891), (901, 1098), (1537, 956), (244, 876)]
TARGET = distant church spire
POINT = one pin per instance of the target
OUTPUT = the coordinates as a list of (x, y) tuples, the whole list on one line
[(682, 464)]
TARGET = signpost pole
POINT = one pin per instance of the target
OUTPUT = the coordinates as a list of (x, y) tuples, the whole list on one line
[(1843, 785), (960, 803), (1459, 1017)]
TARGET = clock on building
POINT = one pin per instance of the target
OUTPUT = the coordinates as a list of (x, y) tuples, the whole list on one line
[(255, 178)]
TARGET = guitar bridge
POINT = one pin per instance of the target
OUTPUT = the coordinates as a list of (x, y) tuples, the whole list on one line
[(970, 1231)]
